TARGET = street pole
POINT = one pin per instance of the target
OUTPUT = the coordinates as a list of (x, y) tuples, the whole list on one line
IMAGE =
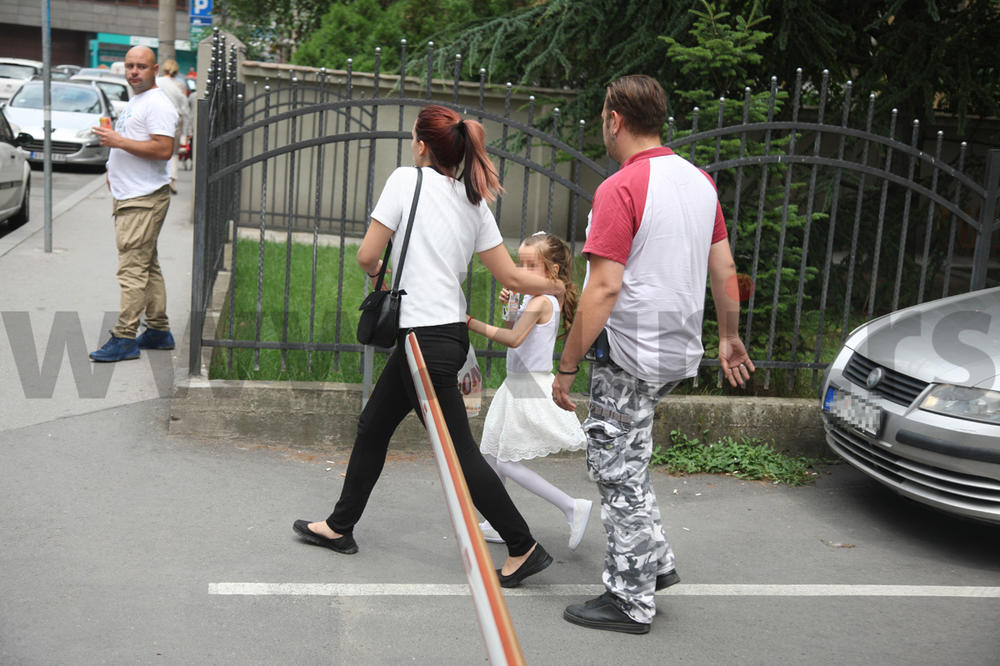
[(47, 118), (167, 32)]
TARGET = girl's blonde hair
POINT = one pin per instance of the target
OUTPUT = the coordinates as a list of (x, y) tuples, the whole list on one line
[(555, 255), (169, 67)]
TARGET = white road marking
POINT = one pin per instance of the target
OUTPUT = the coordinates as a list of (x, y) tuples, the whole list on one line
[(684, 590)]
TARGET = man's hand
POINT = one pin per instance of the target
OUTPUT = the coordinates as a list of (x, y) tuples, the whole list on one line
[(560, 391), (736, 363), (108, 137)]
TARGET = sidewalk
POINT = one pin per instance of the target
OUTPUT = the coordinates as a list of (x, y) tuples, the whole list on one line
[(69, 298)]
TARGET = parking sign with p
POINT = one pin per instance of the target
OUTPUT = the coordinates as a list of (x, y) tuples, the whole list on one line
[(201, 12)]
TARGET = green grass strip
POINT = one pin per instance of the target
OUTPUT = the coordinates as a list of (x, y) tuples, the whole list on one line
[(747, 458), (267, 260)]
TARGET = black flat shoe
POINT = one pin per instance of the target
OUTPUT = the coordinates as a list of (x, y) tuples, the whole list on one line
[(537, 561), (665, 580), (603, 613), (344, 544)]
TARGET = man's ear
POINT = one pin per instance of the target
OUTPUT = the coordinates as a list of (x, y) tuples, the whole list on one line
[(615, 124)]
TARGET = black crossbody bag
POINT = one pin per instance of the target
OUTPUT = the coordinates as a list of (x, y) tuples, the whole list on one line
[(379, 322)]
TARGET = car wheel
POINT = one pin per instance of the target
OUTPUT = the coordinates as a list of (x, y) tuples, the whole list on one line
[(21, 216)]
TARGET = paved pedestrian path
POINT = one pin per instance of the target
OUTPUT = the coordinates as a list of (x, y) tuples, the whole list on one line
[(57, 307)]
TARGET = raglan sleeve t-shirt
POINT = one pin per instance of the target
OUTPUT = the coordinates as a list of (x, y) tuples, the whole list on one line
[(657, 216), (618, 209)]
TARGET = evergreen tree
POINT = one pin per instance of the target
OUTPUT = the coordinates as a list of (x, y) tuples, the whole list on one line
[(722, 51), (355, 28), (271, 30)]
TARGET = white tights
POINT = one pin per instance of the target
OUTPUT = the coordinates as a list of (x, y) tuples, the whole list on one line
[(532, 482)]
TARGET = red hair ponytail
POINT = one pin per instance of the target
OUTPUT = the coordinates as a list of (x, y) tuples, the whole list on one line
[(451, 141)]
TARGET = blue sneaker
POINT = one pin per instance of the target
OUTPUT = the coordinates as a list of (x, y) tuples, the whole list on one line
[(153, 339), (116, 349)]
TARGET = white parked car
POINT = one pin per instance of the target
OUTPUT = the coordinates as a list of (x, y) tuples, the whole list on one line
[(77, 108), (114, 86), (15, 177), (14, 72)]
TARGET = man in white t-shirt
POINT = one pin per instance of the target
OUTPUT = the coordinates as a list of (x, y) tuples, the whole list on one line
[(656, 231), (141, 142)]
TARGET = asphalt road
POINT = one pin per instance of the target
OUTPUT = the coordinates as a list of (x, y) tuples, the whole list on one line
[(121, 545), (65, 181)]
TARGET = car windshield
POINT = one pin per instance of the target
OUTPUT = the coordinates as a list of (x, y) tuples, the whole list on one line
[(73, 98), (11, 71), (116, 92)]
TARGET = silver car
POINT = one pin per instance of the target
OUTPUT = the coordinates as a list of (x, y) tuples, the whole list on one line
[(14, 72), (913, 400), (76, 109), (15, 179)]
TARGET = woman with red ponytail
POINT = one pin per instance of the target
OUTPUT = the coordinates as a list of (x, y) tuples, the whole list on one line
[(452, 222)]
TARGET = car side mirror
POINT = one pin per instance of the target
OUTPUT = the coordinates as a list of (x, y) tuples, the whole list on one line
[(23, 139)]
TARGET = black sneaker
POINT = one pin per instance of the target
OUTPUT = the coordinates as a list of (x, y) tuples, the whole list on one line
[(665, 580), (604, 613)]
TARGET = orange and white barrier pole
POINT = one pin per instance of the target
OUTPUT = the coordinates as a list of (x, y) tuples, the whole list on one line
[(491, 609)]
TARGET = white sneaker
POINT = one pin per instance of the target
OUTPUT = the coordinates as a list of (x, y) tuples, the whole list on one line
[(577, 526), (489, 534)]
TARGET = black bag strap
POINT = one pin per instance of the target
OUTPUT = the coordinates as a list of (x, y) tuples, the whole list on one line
[(406, 241)]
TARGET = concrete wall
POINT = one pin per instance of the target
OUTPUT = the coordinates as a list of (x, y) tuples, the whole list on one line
[(324, 416)]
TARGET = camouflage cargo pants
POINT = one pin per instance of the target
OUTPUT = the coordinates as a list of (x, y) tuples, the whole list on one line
[(619, 433)]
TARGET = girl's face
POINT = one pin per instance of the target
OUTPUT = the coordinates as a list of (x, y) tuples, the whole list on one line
[(531, 260)]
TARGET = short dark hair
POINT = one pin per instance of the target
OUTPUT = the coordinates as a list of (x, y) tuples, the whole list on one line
[(640, 101)]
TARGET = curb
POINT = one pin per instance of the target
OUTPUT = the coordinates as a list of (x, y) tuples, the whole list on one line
[(324, 416)]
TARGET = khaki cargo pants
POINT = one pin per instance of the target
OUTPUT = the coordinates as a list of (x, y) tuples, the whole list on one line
[(137, 228)]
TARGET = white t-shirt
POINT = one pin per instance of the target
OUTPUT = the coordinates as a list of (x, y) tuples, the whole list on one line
[(147, 114), (447, 231)]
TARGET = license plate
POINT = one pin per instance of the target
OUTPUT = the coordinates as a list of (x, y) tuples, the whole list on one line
[(40, 155), (855, 410)]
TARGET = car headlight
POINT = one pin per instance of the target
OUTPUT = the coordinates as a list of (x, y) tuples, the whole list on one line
[(965, 403), (86, 134)]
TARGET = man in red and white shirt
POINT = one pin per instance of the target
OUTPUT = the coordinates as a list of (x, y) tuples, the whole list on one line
[(656, 231)]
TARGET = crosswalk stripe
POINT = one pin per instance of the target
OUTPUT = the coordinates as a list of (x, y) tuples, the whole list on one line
[(684, 589)]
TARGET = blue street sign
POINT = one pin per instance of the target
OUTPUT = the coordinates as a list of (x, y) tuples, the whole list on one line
[(201, 7), (201, 13)]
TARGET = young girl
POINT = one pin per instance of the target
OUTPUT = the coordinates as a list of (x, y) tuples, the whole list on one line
[(523, 422)]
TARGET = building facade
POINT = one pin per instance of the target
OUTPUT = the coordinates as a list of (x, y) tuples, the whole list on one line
[(90, 33)]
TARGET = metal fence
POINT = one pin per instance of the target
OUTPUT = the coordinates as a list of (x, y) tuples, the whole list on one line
[(832, 222)]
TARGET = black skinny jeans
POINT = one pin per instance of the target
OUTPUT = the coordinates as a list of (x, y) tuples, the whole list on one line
[(444, 349)]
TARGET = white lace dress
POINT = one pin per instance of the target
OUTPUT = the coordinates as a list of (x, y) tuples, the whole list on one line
[(523, 422)]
